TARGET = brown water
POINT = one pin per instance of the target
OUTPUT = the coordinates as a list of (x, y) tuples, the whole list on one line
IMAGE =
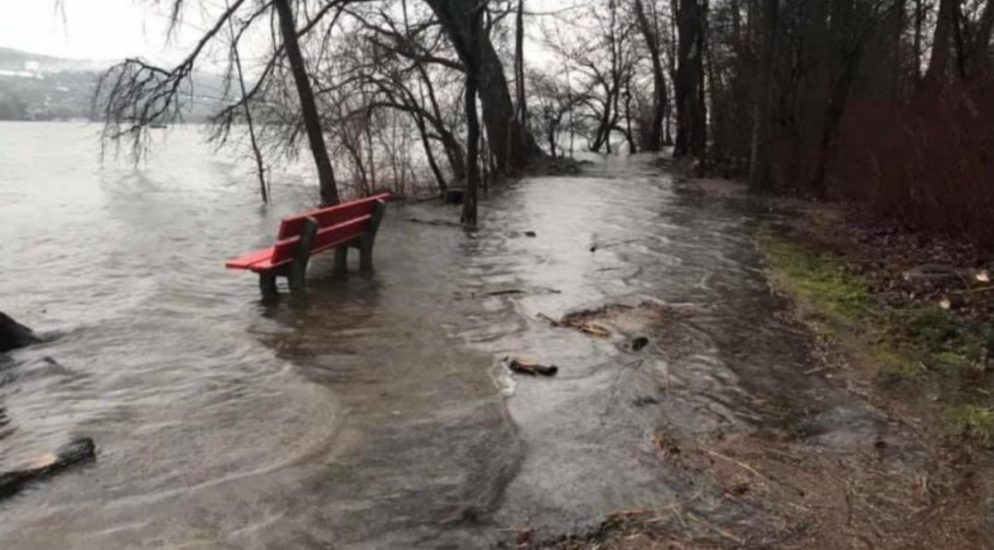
[(372, 413)]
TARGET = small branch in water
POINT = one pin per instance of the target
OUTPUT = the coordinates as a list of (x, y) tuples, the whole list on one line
[(740, 464), (510, 291), (443, 223)]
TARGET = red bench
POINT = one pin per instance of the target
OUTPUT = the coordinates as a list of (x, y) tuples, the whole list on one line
[(351, 224)]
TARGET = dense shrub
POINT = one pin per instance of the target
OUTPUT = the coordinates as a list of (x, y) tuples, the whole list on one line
[(926, 161)]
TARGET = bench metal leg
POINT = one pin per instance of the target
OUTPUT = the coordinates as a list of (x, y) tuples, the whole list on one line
[(297, 276), (341, 262), (367, 240), (366, 254), (267, 284), (297, 272)]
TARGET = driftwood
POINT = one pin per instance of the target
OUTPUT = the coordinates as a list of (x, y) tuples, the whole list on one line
[(72, 453), (527, 367), (14, 335)]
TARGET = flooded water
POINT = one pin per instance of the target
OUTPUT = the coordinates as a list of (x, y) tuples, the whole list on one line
[(375, 412)]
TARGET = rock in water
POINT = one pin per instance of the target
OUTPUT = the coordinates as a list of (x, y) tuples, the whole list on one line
[(76, 451), (14, 335)]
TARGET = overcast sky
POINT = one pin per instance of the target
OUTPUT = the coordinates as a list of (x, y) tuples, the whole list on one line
[(109, 30), (91, 29)]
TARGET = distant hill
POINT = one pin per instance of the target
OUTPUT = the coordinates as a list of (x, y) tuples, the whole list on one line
[(19, 60), (42, 87)]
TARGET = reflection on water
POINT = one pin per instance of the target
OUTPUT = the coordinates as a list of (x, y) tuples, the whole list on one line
[(372, 412)]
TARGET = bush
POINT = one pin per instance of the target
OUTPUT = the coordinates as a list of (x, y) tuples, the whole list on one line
[(925, 161)]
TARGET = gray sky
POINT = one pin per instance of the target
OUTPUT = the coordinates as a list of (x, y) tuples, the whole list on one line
[(91, 29), (113, 29)]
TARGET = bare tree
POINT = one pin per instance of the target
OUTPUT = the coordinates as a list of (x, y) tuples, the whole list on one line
[(512, 146), (134, 94)]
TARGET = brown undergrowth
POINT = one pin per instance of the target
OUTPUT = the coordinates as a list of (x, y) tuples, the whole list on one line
[(914, 313)]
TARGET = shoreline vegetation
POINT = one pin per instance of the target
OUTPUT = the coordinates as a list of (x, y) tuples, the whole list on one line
[(913, 324)]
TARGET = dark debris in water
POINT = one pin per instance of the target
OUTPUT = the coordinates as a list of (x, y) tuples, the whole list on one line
[(639, 342), (522, 366)]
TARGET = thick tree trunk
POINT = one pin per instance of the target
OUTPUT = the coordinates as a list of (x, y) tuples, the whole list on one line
[(699, 130), (980, 51), (308, 108), (430, 154), (454, 152), (519, 66), (654, 139), (692, 118), (513, 147), (761, 173), (942, 42), (469, 204), (845, 67)]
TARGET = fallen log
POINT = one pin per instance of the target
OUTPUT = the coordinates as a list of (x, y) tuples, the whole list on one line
[(72, 453), (14, 335)]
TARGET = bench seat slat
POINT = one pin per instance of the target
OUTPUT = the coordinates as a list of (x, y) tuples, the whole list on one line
[(249, 259)]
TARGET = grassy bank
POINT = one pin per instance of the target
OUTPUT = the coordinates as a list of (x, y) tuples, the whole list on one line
[(919, 355)]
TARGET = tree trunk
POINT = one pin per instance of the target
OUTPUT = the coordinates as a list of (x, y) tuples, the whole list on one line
[(699, 130), (942, 42), (980, 50), (654, 139), (260, 167), (845, 66), (430, 154), (761, 173), (472, 46), (691, 133), (513, 147), (308, 108), (519, 66)]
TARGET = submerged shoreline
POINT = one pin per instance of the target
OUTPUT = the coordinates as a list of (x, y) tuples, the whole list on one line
[(689, 404)]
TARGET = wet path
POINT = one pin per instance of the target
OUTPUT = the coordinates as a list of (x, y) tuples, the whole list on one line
[(376, 413)]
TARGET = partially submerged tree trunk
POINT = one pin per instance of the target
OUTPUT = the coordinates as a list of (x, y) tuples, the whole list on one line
[(14, 335), (308, 108), (519, 68), (513, 147), (650, 33), (469, 204), (260, 167), (691, 135)]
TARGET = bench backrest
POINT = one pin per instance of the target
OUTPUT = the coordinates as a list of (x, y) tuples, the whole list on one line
[(337, 225)]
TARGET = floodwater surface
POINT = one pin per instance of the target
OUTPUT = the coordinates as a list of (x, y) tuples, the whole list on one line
[(375, 412)]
